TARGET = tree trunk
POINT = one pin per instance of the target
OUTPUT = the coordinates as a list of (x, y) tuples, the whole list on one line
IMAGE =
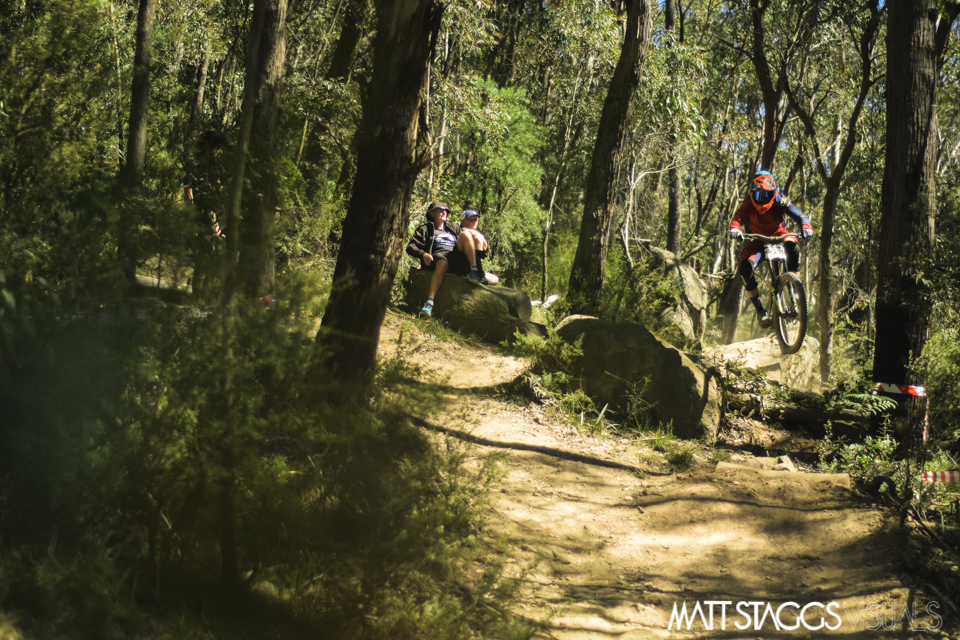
[(826, 271), (228, 525), (131, 175), (673, 174), (842, 152), (197, 109), (247, 109), (908, 200), (729, 304), (569, 136), (256, 266), (589, 264), (776, 108), (673, 208), (378, 213), (350, 34)]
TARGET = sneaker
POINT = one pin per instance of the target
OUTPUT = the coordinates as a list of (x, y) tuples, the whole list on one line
[(427, 309), (765, 320), (473, 277)]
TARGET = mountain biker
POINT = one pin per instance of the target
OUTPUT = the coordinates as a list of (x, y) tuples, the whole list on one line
[(763, 213)]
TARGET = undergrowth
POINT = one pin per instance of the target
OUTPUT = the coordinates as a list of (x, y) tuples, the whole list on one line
[(552, 379), (205, 477), (641, 294)]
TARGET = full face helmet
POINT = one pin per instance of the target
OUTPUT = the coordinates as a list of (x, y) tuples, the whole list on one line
[(763, 191)]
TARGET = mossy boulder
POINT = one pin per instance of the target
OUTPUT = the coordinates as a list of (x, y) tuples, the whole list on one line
[(621, 358), (494, 314)]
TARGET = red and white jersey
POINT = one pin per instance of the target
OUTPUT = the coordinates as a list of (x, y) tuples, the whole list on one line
[(770, 223)]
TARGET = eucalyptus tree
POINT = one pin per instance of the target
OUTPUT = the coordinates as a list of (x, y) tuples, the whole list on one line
[(387, 167), (809, 98), (673, 173), (256, 232), (132, 173), (328, 66), (561, 58), (512, 145), (579, 51), (589, 264), (252, 239), (916, 36)]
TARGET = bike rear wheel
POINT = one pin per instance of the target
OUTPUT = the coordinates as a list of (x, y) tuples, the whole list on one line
[(790, 313)]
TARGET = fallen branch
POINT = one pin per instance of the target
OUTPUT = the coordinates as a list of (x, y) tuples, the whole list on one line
[(748, 403)]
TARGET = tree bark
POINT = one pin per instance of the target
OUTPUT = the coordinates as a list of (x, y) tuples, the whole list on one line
[(730, 302), (256, 266), (247, 108), (826, 302), (197, 108), (908, 200), (350, 34), (673, 208), (569, 136), (589, 264), (673, 174), (776, 106), (131, 176), (378, 213), (228, 524)]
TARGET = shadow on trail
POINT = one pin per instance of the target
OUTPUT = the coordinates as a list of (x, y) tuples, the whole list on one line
[(521, 446)]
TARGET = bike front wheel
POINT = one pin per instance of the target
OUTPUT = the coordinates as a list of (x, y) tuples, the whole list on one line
[(790, 313)]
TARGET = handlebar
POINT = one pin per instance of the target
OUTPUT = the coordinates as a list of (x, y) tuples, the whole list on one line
[(776, 239)]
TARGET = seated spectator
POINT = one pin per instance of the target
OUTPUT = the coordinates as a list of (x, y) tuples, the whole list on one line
[(433, 243), (472, 248)]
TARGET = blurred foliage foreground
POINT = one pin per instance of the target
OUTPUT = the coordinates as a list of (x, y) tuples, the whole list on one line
[(146, 448)]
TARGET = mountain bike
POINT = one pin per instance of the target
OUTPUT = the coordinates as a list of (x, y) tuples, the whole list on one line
[(786, 298)]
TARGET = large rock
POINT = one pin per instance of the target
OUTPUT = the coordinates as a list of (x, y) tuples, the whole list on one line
[(493, 313), (619, 357), (797, 371), (690, 315)]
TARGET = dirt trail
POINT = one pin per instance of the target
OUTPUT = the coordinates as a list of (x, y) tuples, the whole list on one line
[(607, 553)]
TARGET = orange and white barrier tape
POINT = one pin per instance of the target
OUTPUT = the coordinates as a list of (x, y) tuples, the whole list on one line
[(904, 389), (940, 476), (908, 390)]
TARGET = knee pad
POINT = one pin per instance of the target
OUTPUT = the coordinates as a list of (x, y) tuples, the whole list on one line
[(793, 256), (747, 275)]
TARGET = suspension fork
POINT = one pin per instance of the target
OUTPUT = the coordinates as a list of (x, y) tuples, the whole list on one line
[(776, 271)]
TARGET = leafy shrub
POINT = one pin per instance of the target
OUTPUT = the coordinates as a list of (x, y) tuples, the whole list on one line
[(867, 460), (641, 294), (859, 395), (940, 364), (147, 460), (551, 376)]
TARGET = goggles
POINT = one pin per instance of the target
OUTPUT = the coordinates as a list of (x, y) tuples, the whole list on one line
[(762, 196)]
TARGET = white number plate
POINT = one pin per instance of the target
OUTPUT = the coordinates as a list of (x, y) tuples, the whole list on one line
[(774, 252)]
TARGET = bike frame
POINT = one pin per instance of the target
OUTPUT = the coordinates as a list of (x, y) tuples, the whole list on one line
[(786, 298), (775, 257)]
